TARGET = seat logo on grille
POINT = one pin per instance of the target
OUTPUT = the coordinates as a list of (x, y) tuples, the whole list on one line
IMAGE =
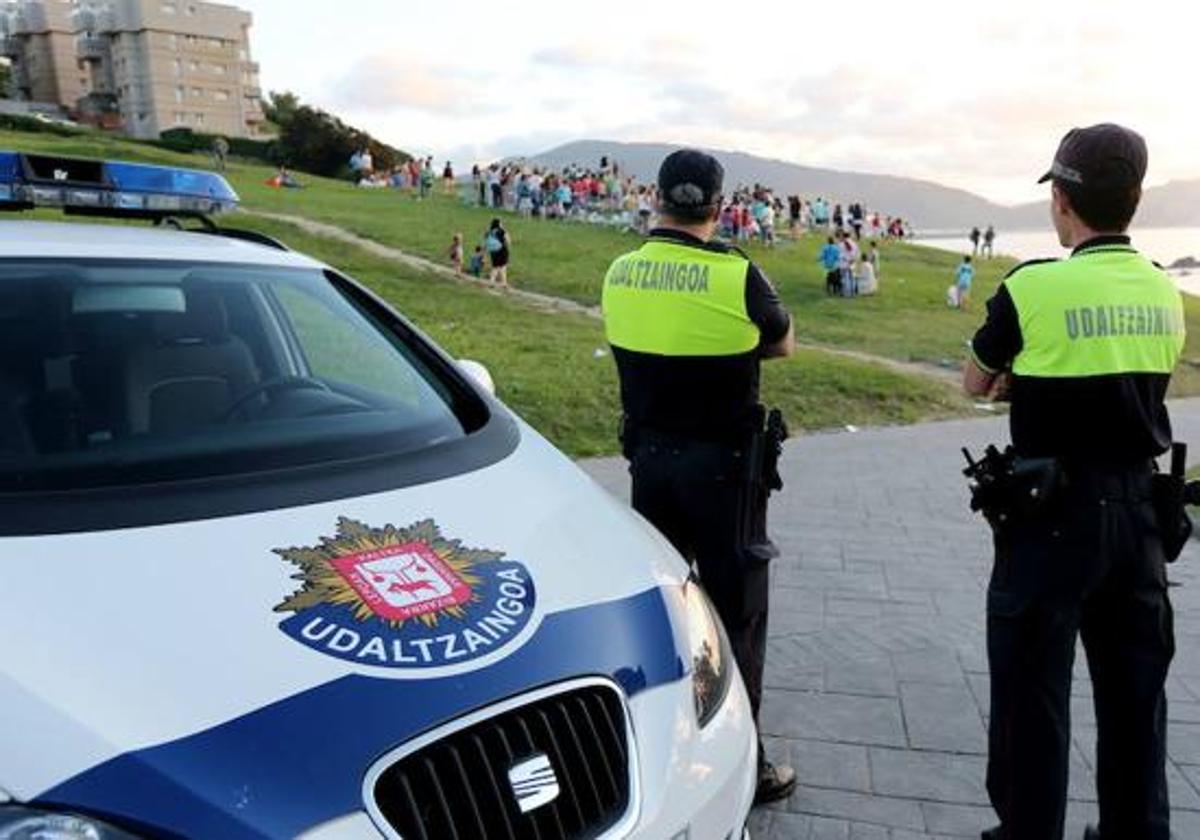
[(405, 597), (533, 782)]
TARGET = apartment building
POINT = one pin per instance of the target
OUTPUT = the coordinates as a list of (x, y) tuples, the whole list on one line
[(147, 65)]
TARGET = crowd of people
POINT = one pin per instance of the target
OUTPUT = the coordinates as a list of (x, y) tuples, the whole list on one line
[(604, 194), (417, 176)]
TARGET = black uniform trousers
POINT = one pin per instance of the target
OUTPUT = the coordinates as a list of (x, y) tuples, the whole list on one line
[(695, 494), (1093, 566)]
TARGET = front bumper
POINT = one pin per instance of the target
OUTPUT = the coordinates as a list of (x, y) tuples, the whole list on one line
[(693, 779)]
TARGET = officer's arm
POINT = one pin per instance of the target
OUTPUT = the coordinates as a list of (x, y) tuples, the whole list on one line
[(768, 313), (977, 382), (993, 349), (783, 348)]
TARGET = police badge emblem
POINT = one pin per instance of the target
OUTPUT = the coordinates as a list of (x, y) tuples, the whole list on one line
[(404, 597)]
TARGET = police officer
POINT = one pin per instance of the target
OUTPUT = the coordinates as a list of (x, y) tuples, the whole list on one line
[(1084, 348), (689, 320)]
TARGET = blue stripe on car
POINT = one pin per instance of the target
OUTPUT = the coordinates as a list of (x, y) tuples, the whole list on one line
[(299, 762)]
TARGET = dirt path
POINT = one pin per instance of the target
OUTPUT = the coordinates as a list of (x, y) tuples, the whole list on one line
[(542, 302), (550, 303)]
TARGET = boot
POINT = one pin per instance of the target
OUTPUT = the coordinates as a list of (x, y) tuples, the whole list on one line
[(774, 782)]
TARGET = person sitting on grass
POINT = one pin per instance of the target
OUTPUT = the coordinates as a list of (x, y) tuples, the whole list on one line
[(867, 282)]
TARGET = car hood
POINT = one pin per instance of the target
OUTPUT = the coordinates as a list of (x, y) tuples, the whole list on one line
[(237, 676)]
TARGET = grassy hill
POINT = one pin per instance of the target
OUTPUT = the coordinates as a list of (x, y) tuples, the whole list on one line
[(552, 367)]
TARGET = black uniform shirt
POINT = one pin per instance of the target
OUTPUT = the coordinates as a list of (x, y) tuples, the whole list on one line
[(1117, 419), (701, 397)]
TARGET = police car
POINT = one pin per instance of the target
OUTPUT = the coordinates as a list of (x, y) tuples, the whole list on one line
[(273, 565)]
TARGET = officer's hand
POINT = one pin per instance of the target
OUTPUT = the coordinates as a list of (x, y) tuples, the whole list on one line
[(1001, 388)]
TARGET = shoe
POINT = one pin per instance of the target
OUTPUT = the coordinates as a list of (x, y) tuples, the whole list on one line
[(1091, 833), (991, 834), (774, 783)]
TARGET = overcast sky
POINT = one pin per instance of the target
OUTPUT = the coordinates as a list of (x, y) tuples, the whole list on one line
[(969, 94)]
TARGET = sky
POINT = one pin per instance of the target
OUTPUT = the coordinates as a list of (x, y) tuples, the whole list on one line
[(969, 94)]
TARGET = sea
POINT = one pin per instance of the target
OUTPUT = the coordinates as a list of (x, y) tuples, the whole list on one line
[(1165, 245)]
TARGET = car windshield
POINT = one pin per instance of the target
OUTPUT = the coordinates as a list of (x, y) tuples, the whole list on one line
[(126, 373)]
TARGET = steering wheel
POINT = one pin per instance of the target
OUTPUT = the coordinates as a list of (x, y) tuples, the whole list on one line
[(274, 385)]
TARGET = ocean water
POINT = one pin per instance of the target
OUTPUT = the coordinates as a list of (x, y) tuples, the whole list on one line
[(1166, 245)]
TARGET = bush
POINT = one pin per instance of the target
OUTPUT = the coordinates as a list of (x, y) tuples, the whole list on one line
[(186, 140), (18, 122)]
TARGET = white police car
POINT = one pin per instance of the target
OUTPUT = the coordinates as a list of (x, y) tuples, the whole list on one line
[(271, 565)]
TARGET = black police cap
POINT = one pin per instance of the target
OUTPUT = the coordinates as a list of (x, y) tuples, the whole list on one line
[(1104, 155), (689, 183)]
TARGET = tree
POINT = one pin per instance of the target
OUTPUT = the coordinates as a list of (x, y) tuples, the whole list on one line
[(280, 106), (314, 141)]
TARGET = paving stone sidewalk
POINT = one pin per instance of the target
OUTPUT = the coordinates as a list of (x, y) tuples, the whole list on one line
[(876, 678)]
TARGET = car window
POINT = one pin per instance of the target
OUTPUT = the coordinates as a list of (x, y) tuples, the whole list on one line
[(126, 373), (337, 351)]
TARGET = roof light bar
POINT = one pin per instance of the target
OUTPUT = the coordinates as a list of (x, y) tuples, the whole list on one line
[(110, 188)]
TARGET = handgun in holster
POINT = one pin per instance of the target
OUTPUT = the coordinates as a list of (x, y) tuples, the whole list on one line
[(761, 477), (1171, 493), (1006, 488)]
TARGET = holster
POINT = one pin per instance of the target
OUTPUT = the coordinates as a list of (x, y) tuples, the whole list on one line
[(1169, 495), (1006, 488), (760, 477)]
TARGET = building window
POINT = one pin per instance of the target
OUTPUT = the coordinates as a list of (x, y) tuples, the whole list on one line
[(219, 69), (178, 67), (199, 119), (193, 66), (179, 118), (172, 41), (191, 9), (221, 95), (179, 93), (197, 93), (168, 8)]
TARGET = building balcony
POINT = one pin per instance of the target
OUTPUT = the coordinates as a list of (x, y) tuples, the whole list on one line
[(250, 67), (91, 47), (252, 91)]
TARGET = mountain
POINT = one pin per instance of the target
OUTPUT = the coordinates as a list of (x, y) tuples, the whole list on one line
[(927, 205), (1174, 204)]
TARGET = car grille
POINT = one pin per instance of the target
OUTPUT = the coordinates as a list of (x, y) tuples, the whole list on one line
[(458, 787)]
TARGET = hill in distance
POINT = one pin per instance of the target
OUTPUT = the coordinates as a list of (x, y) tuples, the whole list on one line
[(927, 205)]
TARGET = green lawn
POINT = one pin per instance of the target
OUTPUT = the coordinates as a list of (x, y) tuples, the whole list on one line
[(546, 365), (908, 321), (554, 368)]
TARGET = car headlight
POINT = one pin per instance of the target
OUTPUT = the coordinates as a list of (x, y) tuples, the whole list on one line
[(708, 651), (26, 824)]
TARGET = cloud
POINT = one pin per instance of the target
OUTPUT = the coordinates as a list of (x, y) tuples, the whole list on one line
[(385, 83), (576, 56)]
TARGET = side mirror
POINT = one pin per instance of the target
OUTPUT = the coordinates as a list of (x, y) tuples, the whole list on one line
[(479, 373)]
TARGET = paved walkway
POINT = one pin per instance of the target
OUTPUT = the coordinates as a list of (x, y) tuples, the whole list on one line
[(876, 680)]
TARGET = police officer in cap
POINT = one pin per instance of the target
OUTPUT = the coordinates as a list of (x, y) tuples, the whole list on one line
[(1084, 348), (689, 320)]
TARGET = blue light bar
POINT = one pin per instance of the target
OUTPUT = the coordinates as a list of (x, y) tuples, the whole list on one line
[(110, 188)]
